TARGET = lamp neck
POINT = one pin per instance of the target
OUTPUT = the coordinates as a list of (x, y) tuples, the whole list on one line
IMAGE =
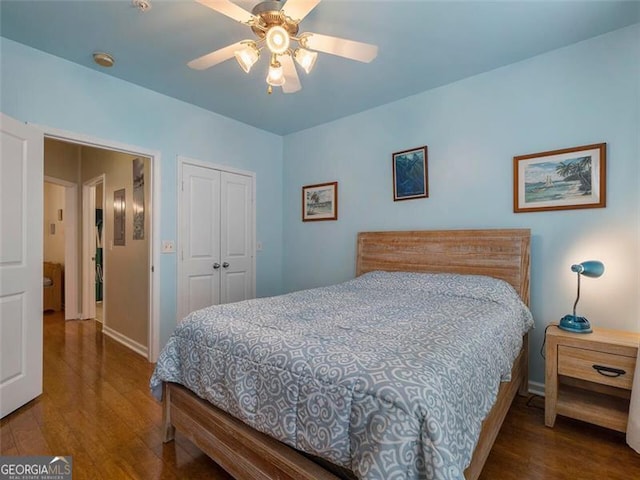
[(577, 297)]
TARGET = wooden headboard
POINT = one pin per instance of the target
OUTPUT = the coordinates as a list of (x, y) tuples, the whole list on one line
[(499, 253)]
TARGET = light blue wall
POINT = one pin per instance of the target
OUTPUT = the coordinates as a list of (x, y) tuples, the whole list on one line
[(583, 94), (586, 93), (45, 90)]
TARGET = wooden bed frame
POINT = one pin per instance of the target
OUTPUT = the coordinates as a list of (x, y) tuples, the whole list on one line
[(248, 454)]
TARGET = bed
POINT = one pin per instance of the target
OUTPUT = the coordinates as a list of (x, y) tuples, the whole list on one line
[(399, 440), (51, 286)]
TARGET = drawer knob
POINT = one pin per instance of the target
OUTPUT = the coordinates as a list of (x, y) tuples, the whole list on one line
[(608, 371)]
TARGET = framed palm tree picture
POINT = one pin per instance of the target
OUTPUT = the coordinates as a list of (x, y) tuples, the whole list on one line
[(320, 202), (560, 179)]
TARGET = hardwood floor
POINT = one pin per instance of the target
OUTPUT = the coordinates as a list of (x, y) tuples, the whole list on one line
[(527, 450), (96, 406)]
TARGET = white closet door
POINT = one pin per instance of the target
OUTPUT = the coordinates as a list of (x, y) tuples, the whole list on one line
[(200, 238), (236, 243), (21, 210)]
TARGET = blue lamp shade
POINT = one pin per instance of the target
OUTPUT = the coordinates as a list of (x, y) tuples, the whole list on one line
[(590, 268), (574, 323)]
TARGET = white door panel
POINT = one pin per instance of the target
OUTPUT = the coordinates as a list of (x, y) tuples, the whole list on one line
[(237, 237), (21, 210), (234, 284), (200, 238), (203, 215), (12, 327), (216, 242), (12, 197), (199, 290)]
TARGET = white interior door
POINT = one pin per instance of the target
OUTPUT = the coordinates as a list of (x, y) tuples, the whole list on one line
[(89, 247), (200, 238), (236, 243), (21, 244)]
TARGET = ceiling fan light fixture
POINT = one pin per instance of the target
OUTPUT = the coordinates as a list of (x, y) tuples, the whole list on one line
[(275, 76), (247, 56), (277, 39), (276, 26), (305, 58)]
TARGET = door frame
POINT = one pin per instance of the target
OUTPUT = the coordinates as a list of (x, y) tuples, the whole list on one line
[(154, 251), (88, 230), (182, 160), (71, 310)]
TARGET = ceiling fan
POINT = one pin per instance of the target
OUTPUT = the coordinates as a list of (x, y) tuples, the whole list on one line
[(275, 25)]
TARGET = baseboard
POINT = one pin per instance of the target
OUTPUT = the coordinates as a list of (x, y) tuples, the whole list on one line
[(536, 388), (126, 341)]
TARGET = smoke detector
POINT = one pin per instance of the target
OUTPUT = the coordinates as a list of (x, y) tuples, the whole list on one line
[(103, 59), (142, 5)]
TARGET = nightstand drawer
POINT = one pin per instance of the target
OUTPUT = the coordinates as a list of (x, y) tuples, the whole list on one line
[(616, 370)]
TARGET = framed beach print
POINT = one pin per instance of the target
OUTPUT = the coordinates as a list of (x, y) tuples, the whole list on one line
[(410, 174), (320, 202), (560, 179)]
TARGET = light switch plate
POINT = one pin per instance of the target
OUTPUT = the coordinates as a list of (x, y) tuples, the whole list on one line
[(168, 246)]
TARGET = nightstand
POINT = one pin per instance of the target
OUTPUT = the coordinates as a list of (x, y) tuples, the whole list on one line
[(588, 376)]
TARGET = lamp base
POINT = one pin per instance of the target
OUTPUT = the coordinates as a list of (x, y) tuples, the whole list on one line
[(572, 323)]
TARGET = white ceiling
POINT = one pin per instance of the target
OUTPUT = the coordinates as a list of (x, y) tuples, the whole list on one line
[(422, 45)]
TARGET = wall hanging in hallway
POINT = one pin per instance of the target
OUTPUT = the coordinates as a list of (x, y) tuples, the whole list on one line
[(138, 199), (119, 207)]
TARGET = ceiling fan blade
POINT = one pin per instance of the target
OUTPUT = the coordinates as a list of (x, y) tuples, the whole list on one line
[(291, 79), (298, 9), (229, 9), (214, 58), (362, 52)]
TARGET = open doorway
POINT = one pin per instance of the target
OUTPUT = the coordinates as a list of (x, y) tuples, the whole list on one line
[(113, 267), (93, 254), (53, 247), (99, 257), (60, 246)]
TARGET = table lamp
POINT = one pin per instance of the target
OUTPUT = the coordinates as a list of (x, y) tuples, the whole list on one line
[(573, 323)]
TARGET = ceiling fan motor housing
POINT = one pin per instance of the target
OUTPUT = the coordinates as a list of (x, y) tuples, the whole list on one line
[(270, 14)]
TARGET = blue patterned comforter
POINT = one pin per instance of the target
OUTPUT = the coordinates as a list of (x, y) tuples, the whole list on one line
[(389, 375)]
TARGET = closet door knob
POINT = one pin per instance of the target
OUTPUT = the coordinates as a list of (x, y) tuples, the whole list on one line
[(216, 266), (225, 265)]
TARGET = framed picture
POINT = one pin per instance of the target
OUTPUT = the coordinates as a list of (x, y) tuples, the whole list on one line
[(320, 202), (410, 174), (560, 179), (138, 199), (119, 209)]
